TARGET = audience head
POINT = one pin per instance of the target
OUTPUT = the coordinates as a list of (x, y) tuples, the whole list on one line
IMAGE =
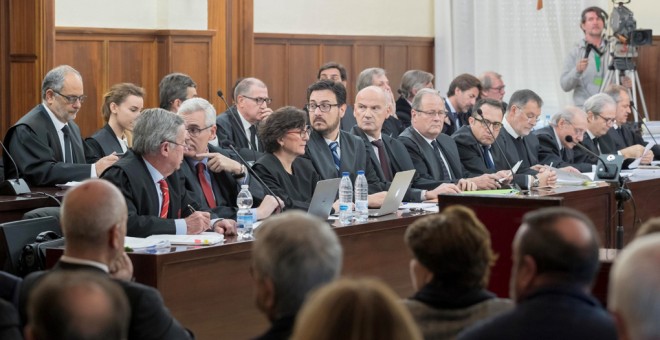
[(492, 85), (634, 289), (326, 102), (451, 250), (413, 81), (601, 113), (286, 131), (62, 92), (570, 121), (122, 104), (199, 116), (428, 113), (93, 220), (592, 21), (524, 111), (463, 92), (486, 120), (363, 309), (251, 96), (651, 226), (160, 136), (371, 110), (293, 254), (333, 71), (620, 95), (174, 89), (77, 305), (553, 246)]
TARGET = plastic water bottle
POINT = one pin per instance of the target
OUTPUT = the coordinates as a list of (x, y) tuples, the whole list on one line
[(361, 196), (345, 199), (244, 216)]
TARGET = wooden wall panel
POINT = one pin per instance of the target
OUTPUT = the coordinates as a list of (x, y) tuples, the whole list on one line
[(394, 54), (186, 59), (649, 76)]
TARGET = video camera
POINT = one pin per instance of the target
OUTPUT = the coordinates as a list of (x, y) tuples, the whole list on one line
[(625, 35)]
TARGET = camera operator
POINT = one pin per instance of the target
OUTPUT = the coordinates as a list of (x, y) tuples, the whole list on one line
[(586, 65)]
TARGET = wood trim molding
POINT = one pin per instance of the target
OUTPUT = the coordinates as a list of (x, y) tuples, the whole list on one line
[(344, 39)]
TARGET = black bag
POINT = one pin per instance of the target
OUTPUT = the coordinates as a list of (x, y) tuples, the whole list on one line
[(33, 255)]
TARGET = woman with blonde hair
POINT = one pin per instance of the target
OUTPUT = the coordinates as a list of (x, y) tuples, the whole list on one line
[(121, 106), (352, 309)]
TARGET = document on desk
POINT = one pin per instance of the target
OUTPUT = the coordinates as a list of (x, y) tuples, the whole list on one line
[(636, 162), (496, 192), (571, 178), (203, 239), (140, 244)]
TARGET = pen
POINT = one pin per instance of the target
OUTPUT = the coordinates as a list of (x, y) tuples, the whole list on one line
[(192, 210)]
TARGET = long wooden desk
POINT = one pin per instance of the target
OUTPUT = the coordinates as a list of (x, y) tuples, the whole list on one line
[(12, 208)]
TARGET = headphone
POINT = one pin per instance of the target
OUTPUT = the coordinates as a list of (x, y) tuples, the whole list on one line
[(599, 12)]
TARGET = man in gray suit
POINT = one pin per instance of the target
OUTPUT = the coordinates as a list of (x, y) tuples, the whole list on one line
[(434, 154), (553, 147), (331, 150)]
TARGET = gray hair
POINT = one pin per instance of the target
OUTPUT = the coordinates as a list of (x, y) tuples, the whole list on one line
[(152, 128), (244, 87), (299, 253), (172, 87), (54, 79), (412, 81), (417, 101), (520, 98), (199, 104), (567, 114), (598, 102), (614, 91), (634, 288), (366, 77), (486, 79)]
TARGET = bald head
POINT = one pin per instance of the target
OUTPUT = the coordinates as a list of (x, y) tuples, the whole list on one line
[(371, 110), (90, 210)]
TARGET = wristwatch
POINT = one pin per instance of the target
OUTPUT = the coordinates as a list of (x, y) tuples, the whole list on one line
[(535, 183), (242, 173)]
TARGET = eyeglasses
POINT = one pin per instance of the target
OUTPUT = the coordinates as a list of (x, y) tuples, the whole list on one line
[(363, 108), (185, 147), (303, 132), (578, 132), (260, 100), (432, 114), (608, 121), (194, 131), (531, 117), (488, 123), (72, 99), (324, 107), (498, 89)]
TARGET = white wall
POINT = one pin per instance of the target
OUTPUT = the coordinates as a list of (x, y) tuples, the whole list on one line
[(333, 17), (144, 14)]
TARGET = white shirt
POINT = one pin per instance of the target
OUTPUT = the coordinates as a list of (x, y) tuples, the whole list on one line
[(248, 133), (439, 151)]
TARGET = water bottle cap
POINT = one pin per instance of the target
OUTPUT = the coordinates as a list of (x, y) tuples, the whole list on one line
[(344, 174), (245, 186), (360, 172)]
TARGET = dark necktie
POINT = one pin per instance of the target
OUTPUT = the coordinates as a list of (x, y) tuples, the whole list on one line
[(384, 161), (165, 207), (446, 176), (564, 155), (335, 156), (623, 139), (489, 162), (522, 151), (253, 138), (206, 186), (596, 146), (68, 157)]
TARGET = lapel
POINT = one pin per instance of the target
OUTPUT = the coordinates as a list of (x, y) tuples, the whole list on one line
[(395, 162), (589, 143), (372, 153), (52, 137), (321, 156), (427, 151), (76, 143), (237, 130), (450, 156)]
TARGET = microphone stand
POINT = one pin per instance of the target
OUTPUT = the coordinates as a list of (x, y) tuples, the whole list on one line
[(632, 105)]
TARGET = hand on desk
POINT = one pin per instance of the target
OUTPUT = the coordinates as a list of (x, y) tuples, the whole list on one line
[(122, 268), (198, 222), (547, 177), (486, 181), (226, 227), (376, 200)]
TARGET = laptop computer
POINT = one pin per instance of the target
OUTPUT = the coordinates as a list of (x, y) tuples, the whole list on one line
[(394, 196), (323, 197)]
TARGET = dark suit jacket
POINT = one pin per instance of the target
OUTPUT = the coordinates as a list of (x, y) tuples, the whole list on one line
[(549, 313), (36, 148), (10, 326), (150, 319), (461, 116), (102, 143), (354, 156), (629, 136), (423, 159), (531, 156), (230, 128), (297, 189), (348, 121), (399, 161), (131, 176), (403, 111), (606, 147), (549, 151)]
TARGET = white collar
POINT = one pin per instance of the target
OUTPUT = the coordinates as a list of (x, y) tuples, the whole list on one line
[(56, 122), (509, 128), (73, 260)]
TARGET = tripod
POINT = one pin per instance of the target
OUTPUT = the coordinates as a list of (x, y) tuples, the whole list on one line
[(626, 65)]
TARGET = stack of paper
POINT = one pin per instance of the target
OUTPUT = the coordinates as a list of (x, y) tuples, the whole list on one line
[(203, 239), (140, 244)]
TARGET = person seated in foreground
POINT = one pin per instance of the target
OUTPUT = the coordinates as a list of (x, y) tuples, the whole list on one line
[(365, 309), (452, 257)]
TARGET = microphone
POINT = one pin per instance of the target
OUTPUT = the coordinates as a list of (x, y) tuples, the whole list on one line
[(513, 183), (238, 123), (230, 145), (607, 171), (16, 186), (639, 118)]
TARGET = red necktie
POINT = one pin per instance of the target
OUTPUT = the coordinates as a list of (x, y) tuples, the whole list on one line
[(164, 209), (206, 186)]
